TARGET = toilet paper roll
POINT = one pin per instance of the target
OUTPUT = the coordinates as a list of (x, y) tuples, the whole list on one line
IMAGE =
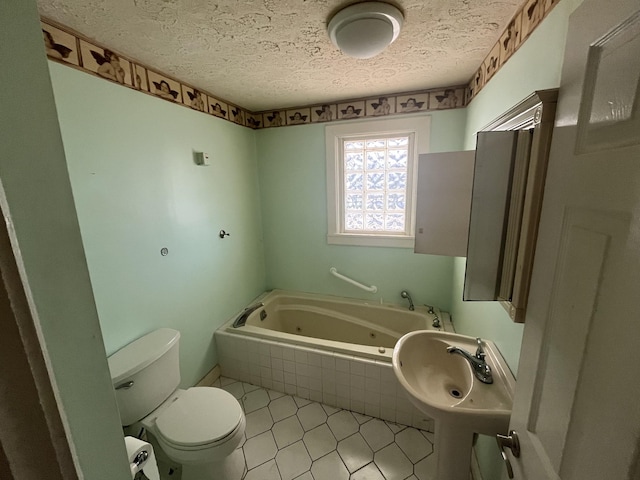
[(141, 458)]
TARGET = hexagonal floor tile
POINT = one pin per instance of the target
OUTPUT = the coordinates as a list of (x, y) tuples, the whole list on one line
[(259, 449), (425, 469), (355, 452), (414, 445), (255, 400), (329, 467), (361, 418), (287, 431), (311, 416), (227, 381), (273, 394), (234, 388), (429, 436), (293, 461), (343, 424), (305, 476), (258, 422), (266, 471), (393, 464), (329, 409), (282, 407), (395, 428), (369, 472), (250, 387), (377, 434), (319, 441), (301, 402)]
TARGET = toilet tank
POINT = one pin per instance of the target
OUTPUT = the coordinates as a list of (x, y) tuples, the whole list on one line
[(144, 373)]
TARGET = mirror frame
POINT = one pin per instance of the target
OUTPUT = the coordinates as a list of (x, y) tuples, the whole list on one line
[(536, 112)]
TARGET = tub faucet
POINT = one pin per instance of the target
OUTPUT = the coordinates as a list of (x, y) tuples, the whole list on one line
[(480, 368), (436, 320), (405, 294), (242, 318)]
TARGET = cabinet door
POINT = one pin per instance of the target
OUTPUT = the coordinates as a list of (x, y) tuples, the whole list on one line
[(491, 199), (443, 205)]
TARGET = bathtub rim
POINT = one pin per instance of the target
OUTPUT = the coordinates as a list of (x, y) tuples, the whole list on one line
[(311, 343)]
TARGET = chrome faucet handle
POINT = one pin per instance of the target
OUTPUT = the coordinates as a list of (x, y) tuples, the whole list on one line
[(480, 351)]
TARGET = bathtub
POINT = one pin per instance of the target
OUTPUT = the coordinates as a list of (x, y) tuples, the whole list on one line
[(327, 349)]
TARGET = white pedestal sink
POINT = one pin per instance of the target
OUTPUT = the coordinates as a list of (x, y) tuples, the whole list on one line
[(443, 386)]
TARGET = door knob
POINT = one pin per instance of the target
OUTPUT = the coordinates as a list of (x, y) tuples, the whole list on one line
[(512, 443)]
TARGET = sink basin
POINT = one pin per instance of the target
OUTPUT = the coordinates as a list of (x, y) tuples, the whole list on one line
[(443, 385)]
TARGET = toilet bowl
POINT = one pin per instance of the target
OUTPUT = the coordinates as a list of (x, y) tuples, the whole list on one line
[(198, 428)]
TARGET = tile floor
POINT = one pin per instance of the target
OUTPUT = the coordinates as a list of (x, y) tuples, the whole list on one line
[(291, 438)]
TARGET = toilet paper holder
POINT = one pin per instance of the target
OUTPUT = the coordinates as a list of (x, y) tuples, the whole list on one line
[(141, 458)]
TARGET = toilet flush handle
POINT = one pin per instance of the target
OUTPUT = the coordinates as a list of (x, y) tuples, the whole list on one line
[(125, 385)]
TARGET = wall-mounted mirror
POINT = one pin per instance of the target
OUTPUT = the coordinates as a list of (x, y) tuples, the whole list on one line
[(492, 199), (500, 161), (508, 185)]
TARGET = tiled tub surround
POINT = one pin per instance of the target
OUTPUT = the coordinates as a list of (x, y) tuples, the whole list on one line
[(362, 382), (288, 437)]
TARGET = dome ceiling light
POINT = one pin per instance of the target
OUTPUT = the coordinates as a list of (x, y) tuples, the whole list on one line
[(364, 30)]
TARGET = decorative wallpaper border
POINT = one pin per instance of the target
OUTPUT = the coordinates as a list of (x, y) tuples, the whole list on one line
[(65, 46), (523, 23), (369, 107), (68, 47)]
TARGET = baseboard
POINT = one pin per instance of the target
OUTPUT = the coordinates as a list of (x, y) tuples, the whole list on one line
[(210, 377)]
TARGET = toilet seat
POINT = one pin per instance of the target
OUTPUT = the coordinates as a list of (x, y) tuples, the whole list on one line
[(199, 418)]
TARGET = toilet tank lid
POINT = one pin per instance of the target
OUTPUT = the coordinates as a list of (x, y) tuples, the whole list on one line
[(141, 353)]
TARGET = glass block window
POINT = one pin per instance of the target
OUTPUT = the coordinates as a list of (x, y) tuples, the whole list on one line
[(372, 180), (376, 184)]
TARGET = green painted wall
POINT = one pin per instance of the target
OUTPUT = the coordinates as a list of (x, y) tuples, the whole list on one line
[(137, 190), (37, 204), (292, 171), (535, 66)]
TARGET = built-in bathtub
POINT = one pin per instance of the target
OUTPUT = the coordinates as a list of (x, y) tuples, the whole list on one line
[(328, 349)]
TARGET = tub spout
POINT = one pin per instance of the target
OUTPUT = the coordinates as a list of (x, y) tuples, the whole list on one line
[(242, 318), (405, 294)]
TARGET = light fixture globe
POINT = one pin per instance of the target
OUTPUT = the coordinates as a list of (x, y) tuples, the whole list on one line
[(364, 30)]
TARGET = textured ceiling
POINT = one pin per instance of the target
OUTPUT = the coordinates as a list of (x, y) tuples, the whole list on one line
[(264, 54)]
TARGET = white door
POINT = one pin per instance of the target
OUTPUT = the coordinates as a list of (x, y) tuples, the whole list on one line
[(577, 405)]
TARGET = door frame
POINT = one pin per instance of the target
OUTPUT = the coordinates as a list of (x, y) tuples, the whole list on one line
[(33, 441)]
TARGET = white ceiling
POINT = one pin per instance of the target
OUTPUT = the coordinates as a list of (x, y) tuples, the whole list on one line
[(265, 54)]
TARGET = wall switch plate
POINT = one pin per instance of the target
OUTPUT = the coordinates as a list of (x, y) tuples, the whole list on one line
[(202, 158)]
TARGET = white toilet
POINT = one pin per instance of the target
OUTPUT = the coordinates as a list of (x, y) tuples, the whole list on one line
[(198, 428)]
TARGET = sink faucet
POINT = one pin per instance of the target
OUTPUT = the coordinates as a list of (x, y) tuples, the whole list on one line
[(480, 368), (405, 294), (242, 318)]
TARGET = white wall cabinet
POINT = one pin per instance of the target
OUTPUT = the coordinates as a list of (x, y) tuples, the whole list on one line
[(444, 196), (486, 204)]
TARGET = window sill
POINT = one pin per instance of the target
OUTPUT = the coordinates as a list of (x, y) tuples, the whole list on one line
[(371, 240)]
